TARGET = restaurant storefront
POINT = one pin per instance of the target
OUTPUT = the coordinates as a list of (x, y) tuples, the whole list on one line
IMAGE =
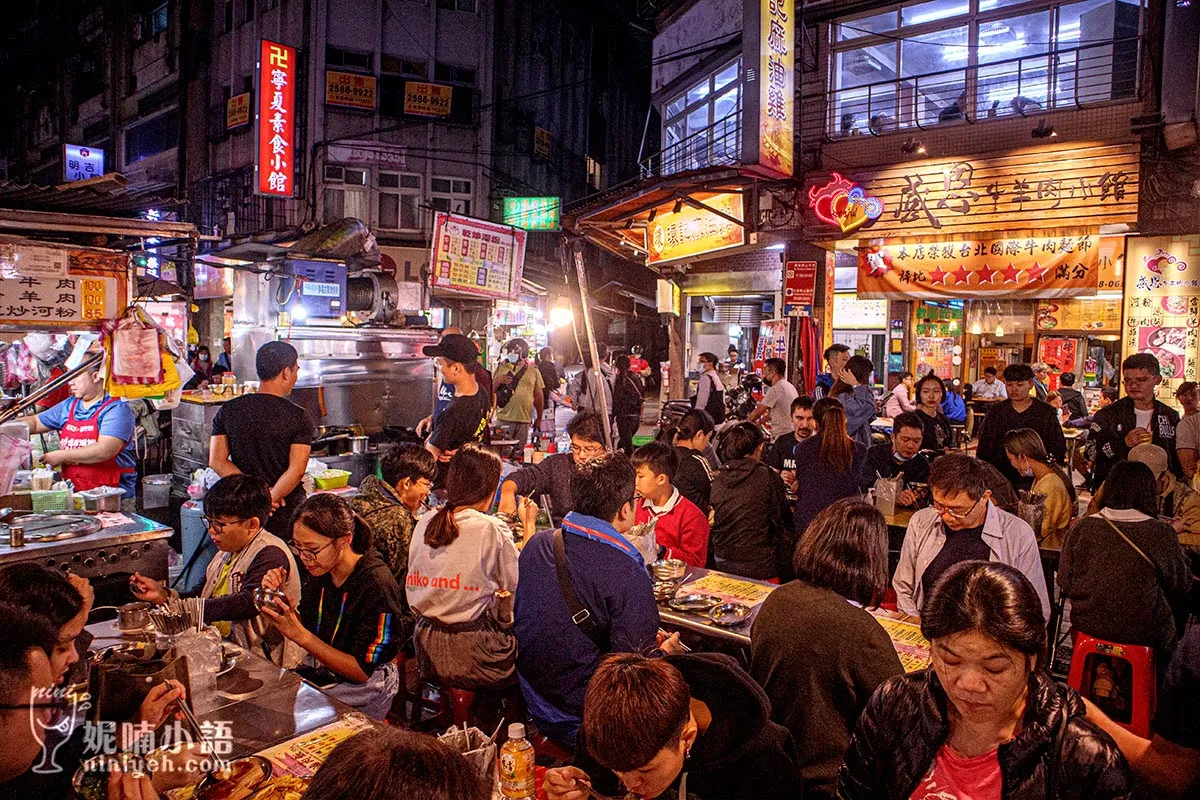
[(991, 259)]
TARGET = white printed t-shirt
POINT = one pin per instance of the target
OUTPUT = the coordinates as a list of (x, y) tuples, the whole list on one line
[(454, 584)]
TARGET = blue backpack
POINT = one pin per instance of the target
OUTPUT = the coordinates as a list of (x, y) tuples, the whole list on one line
[(954, 407)]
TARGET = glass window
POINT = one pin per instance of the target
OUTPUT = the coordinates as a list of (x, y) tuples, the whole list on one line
[(701, 127), (1097, 58), (697, 93), (399, 209), (451, 194), (931, 94), (872, 67), (934, 11), (879, 23), (674, 107), (1020, 83), (725, 76)]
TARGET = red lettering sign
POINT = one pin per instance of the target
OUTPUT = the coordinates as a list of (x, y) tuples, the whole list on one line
[(275, 164)]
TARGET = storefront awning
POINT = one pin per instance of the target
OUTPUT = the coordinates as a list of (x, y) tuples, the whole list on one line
[(106, 195)]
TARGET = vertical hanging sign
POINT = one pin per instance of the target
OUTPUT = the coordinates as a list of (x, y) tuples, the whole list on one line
[(276, 120), (769, 58)]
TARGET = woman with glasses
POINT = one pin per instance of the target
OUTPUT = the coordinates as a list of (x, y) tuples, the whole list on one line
[(349, 621), (460, 559), (963, 525), (236, 510), (987, 720)]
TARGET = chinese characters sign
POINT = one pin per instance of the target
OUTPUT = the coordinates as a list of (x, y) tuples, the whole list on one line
[(276, 119), (81, 163), (1075, 185), (237, 111), (427, 99), (799, 288), (1078, 315), (470, 255), (1162, 305), (533, 213), (770, 42), (695, 231), (1066, 266), (47, 287), (350, 90)]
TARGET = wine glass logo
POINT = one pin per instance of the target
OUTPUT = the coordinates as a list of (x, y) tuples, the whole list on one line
[(53, 714)]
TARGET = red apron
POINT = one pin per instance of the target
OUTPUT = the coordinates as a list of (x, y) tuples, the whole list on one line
[(76, 433)]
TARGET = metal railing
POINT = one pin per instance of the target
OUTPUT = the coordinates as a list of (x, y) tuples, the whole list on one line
[(720, 144), (1065, 78)]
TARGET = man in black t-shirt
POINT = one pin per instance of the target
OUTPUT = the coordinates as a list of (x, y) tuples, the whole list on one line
[(781, 457), (267, 435), (466, 418)]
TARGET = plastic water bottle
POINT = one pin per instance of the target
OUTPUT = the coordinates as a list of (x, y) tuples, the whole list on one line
[(563, 443), (516, 765)]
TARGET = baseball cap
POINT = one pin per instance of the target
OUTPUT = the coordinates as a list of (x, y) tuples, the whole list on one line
[(1151, 455), (455, 347)]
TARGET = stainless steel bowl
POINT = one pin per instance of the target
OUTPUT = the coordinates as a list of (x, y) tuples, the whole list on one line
[(267, 597), (133, 616), (668, 569)]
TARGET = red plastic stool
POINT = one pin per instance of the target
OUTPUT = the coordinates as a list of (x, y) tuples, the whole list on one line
[(889, 600), (462, 702), (1101, 670)]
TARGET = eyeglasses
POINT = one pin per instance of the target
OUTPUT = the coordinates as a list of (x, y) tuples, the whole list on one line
[(58, 710), (959, 515), (218, 526), (308, 555), (591, 450)]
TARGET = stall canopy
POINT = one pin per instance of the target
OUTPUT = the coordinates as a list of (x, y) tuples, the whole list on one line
[(105, 194)]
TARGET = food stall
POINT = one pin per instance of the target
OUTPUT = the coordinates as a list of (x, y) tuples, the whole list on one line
[(54, 297)]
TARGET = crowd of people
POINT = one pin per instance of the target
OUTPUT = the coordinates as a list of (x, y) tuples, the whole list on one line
[(561, 624)]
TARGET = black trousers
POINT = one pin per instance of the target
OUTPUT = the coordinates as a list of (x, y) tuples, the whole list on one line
[(627, 425)]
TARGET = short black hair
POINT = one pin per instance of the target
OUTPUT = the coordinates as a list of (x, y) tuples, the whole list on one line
[(711, 358), (908, 419), (778, 365), (803, 401), (1018, 372), (1142, 361), (990, 371), (273, 358), (990, 597), (732, 348), (586, 425), (954, 473), (1067, 379), (241, 496), (602, 486), (23, 631), (1130, 485), (659, 457), (905, 374), (407, 460), (1111, 393), (835, 348), (42, 590), (861, 368), (739, 441)]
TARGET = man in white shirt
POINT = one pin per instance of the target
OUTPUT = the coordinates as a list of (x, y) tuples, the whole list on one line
[(777, 402), (989, 387)]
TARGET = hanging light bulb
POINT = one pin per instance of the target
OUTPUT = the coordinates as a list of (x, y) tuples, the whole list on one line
[(999, 329), (976, 321)]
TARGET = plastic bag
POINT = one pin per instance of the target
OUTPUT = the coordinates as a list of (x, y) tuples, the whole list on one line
[(137, 354), (474, 746), (14, 453), (886, 492)]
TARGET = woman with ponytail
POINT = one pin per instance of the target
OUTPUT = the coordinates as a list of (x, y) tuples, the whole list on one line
[(827, 464), (1028, 456), (349, 620), (462, 574), (692, 438)]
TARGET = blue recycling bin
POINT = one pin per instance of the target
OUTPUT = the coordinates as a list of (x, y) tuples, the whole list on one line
[(195, 538)]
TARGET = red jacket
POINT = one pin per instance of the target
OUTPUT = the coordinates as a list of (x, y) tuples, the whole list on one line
[(681, 527)]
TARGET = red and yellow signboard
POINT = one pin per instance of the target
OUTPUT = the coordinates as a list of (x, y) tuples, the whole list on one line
[(770, 43), (1065, 266), (427, 99), (350, 90), (695, 231), (275, 162), (1162, 305), (1079, 315), (237, 111)]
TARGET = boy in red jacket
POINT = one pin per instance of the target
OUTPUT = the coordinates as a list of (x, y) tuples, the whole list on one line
[(680, 526)]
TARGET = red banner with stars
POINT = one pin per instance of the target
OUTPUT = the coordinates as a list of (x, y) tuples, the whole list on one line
[(1058, 266)]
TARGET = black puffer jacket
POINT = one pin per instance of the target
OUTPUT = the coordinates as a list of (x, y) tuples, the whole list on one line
[(1058, 754)]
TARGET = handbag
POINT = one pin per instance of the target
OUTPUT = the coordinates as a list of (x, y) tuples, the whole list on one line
[(505, 391)]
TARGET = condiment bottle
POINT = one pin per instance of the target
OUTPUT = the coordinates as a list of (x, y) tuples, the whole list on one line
[(516, 765), (16, 538)]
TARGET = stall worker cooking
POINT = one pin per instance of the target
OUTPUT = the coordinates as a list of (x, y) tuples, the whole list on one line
[(95, 436)]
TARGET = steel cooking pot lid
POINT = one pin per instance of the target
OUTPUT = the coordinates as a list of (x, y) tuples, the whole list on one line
[(51, 527)]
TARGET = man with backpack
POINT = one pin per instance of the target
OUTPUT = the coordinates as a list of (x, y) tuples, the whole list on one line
[(710, 392), (519, 394)]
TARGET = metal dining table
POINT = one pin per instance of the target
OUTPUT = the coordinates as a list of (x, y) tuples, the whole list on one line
[(700, 623)]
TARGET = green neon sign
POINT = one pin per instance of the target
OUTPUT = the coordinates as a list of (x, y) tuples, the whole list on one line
[(533, 213)]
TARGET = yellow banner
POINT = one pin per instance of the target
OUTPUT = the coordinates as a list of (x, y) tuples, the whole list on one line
[(237, 111), (427, 99), (350, 90), (695, 231), (1066, 266), (777, 82)]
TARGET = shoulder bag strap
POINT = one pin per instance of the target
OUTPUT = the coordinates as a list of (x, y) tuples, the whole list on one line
[(1158, 577), (579, 614)]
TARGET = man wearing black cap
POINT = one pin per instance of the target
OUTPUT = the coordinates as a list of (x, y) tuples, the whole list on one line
[(267, 435), (466, 418)]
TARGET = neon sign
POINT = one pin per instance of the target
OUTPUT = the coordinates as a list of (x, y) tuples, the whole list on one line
[(276, 119), (844, 204)]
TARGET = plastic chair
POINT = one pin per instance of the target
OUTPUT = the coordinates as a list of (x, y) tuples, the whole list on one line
[(457, 704), (1104, 671)]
